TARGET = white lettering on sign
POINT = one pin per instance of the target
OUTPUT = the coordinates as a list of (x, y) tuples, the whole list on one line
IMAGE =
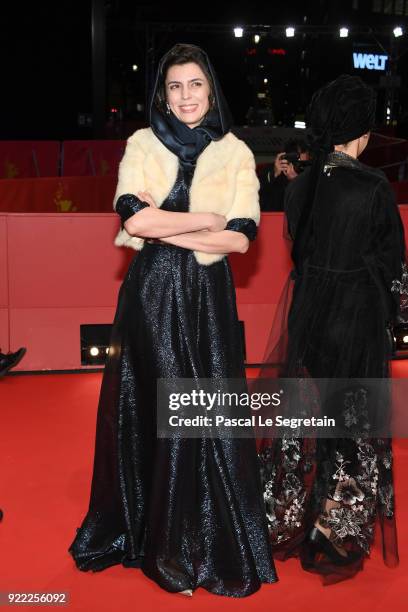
[(369, 61)]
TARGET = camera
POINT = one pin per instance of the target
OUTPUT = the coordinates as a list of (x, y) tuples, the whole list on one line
[(298, 164)]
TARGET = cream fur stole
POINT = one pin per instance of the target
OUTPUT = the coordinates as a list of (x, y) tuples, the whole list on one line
[(224, 180)]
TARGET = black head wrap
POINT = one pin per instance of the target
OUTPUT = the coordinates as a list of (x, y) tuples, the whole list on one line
[(339, 112), (187, 143)]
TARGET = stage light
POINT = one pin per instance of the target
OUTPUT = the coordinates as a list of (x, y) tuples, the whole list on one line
[(401, 337), (265, 81), (398, 32), (300, 125), (238, 32), (343, 32), (135, 67), (257, 38), (95, 343), (290, 32)]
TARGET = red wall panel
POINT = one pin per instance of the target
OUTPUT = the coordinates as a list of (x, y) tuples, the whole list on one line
[(51, 335), (61, 195), (23, 158), (64, 271), (4, 330), (83, 194), (92, 157), (64, 261), (3, 263)]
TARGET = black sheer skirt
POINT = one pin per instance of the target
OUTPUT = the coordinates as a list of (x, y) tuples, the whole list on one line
[(188, 512), (329, 325)]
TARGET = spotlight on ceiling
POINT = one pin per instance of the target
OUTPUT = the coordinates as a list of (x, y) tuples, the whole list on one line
[(398, 31), (290, 32), (238, 32), (257, 38), (344, 32)]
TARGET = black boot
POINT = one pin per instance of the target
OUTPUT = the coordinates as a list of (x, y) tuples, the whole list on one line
[(317, 543), (10, 360)]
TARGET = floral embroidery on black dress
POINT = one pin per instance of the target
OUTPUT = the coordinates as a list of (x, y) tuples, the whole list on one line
[(353, 486), (400, 287)]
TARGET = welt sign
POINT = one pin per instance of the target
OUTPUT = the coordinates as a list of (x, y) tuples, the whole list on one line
[(369, 61)]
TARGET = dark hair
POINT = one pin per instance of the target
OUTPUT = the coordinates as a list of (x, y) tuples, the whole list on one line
[(178, 55)]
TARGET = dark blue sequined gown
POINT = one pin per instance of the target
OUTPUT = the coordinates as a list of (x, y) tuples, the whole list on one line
[(188, 512)]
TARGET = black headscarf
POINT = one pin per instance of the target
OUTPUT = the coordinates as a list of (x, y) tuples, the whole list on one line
[(187, 143), (339, 112)]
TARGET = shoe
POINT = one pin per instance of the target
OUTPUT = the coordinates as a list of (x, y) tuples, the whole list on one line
[(10, 360), (187, 592), (317, 543)]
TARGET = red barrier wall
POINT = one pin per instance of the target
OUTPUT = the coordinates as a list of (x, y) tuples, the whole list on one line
[(91, 157), (64, 194), (4, 297), (58, 271), (81, 194), (25, 158)]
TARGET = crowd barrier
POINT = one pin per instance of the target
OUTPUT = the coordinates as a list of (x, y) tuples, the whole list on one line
[(40, 159), (91, 157), (82, 194), (28, 159), (60, 194), (60, 271), (388, 153)]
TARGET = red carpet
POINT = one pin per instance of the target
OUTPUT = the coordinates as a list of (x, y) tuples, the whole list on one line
[(46, 440)]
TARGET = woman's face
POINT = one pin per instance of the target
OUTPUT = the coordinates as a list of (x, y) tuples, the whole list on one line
[(187, 93)]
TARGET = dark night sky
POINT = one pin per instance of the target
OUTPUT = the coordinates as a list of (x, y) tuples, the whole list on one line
[(47, 68)]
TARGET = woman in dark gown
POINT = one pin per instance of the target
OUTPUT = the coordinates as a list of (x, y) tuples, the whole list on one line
[(323, 495), (188, 512)]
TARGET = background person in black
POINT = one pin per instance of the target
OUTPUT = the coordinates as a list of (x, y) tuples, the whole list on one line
[(274, 178), (323, 496)]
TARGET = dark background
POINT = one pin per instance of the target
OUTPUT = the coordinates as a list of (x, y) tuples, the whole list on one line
[(47, 86)]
